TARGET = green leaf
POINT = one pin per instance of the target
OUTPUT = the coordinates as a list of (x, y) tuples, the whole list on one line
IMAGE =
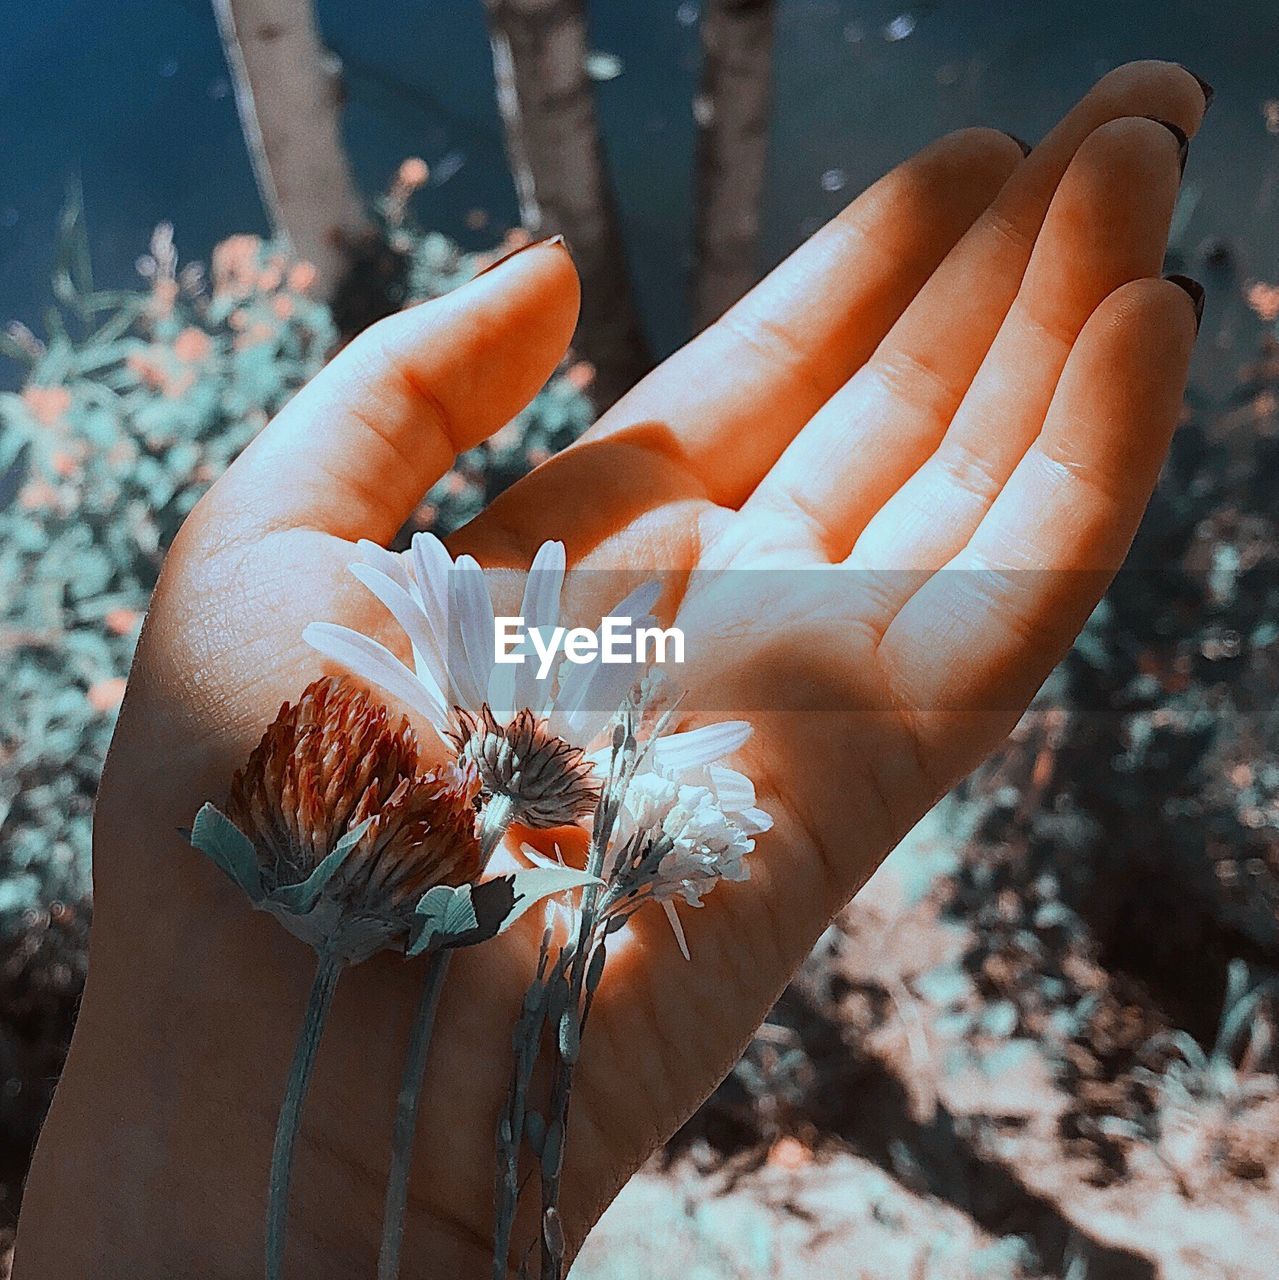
[(443, 914), (352, 837), (300, 898), (530, 887), (462, 917), (216, 836)]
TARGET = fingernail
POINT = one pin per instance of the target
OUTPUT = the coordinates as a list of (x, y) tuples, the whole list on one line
[(1025, 146), (1183, 142), (548, 241), (1208, 91), (1196, 292)]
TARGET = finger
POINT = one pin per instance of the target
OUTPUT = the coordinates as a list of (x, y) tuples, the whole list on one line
[(971, 647), (864, 444), (355, 450), (727, 404), (1108, 225)]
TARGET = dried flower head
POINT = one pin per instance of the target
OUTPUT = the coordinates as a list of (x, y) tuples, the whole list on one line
[(332, 827), (336, 759), (549, 782)]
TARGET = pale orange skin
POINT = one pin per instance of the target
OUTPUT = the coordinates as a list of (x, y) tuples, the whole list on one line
[(975, 364)]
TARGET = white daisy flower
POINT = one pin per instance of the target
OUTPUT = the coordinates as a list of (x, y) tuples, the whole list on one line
[(526, 733), (445, 608)]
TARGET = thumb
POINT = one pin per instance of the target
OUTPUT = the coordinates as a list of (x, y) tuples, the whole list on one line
[(354, 451)]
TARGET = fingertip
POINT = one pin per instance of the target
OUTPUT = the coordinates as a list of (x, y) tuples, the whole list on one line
[(547, 242), (409, 394), (988, 151), (538, 274), (1131, 154), (1195, 292), (960, 172), (1167, 310), (1119, 398), (535, 285), (1180, 96), (966, 169)]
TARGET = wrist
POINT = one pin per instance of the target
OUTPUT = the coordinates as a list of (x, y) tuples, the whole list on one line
[(154, 1158)]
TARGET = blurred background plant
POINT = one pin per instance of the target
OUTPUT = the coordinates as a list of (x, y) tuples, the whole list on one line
[(1041, 1043)]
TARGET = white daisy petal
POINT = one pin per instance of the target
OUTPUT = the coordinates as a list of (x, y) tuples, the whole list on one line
[(431, 567), (539, 859), (702, 746), (638, 604), (471, 634), (603, 694), (390, 563), (428, 654), (377, 664), (540, 610), (735, 790), (590, 692), (574, 680), (735, 794), (503, 683), (753, 821), (673, 916)]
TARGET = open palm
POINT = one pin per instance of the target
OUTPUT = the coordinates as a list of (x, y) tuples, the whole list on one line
[(948, 409)]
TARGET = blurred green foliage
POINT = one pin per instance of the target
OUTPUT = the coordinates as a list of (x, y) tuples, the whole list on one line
[(1126, 858), (136, 402), (133, 405)]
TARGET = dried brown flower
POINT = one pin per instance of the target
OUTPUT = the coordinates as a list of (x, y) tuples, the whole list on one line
[(550, 782), (334, 759)]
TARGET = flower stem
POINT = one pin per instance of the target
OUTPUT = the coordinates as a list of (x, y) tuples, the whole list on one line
[(511, 1128), (575, 978), (397, 1186), (562, 1084), (286, 1131), (497, 818)]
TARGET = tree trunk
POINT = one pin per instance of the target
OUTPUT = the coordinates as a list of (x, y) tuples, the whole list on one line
[(732, 112), (561, 176), (289, 100)]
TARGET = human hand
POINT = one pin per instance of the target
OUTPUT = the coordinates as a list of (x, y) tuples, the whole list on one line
[(929, 383)]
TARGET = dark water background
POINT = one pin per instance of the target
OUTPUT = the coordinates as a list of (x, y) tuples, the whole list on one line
[(131, 97)]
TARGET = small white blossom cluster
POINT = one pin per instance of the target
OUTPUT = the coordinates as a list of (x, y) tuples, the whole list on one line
[(702, 843), (683, 825)]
